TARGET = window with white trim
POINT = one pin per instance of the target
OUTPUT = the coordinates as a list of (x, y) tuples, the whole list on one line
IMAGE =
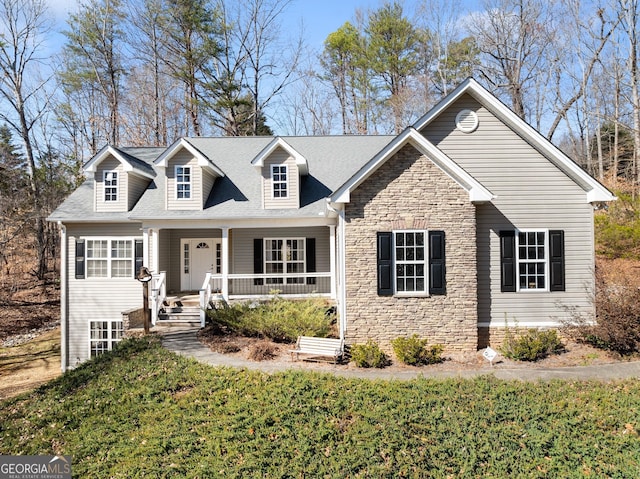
[(410, 261), (110, 186), (280, 185), (285, 257), (103, 335), (109, 258), (183, 182), (532, 260)]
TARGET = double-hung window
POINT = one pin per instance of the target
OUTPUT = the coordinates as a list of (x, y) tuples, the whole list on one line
[(103, 335), (411, 263), (532, 260), (286, 258), (109, 258), (279, 181), (111, 186), (183, 182)]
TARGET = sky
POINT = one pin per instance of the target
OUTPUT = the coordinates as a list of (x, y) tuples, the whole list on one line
[(319, 18)]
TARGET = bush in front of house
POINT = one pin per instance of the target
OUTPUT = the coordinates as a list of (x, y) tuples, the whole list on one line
[(532, 345), (617, 326), (414, 351), (368, 355), (277, 319)]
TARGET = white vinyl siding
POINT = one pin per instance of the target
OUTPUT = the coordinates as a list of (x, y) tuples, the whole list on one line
[(96, 299), (280, 158), (531, 194), (137, 186), (195, 200), (119, 202)]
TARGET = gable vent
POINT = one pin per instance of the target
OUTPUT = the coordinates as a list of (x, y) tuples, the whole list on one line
[(467, 121)]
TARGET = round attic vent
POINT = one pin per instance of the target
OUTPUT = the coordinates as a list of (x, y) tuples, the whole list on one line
[(467, 121)]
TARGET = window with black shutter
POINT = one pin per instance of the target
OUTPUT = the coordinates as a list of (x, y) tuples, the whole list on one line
[(411, 263)]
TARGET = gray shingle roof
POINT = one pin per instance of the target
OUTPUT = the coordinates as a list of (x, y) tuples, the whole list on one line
[(332, 161)]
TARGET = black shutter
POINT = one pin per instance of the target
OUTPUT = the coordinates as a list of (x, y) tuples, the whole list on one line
[(79, 259), (139, 257), (258, 262), (310, 253), (437, 266), (385, 264), (556, 254), (507, 261)]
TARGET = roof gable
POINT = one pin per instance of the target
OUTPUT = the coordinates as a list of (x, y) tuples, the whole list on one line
[(183, 143), (593, 189), (477, 192), (278, 142), (130, 163)]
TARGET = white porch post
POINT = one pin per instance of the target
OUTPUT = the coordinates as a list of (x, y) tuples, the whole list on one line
[(145, 249), (155, 243), (332, 260), (225, 263), (342, 302)]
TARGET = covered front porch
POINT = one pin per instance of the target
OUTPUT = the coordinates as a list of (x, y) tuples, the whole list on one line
[(239, 263)]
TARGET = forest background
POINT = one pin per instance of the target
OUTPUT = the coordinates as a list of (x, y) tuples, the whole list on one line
[(146, 72)]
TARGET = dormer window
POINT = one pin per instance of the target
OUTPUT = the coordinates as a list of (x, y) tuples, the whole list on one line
[(183, 182), (111, 186), (279, 181)]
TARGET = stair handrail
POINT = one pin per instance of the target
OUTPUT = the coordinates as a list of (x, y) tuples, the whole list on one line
[(205, 297), (158, 294)]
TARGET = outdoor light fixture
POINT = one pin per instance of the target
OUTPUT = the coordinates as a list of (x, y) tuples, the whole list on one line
[(144, 276)]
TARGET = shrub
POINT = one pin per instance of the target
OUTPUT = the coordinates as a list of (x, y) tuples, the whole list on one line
[(618, 318), (533, 345), (414, 351), (368, 355), (617, 230), (278, 319)]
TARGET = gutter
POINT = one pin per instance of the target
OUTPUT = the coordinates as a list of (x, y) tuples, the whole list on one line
[(64, 346)]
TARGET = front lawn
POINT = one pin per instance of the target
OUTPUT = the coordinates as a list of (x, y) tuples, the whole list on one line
[(145, 412)]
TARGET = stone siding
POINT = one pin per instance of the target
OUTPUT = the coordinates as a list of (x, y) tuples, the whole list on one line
[(410, 192)]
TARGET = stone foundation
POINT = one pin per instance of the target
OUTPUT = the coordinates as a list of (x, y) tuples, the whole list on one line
[(133, 319)]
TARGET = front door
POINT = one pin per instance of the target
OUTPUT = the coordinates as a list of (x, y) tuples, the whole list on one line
[(199, 257)]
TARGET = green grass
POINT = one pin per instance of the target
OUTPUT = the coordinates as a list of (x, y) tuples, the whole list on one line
[(145, 412)]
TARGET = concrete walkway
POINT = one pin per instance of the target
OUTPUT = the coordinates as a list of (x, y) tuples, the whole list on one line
[(186, 343)]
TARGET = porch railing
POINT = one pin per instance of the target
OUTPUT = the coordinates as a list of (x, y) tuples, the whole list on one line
[(158, 294), (255, 285)]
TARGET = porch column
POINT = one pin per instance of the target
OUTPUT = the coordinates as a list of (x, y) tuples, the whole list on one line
[(155, 243), (332, 260), (225, 263), (145, 249)]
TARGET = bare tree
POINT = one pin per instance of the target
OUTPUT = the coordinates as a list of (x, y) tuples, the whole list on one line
[(512, 36), (24, 24)]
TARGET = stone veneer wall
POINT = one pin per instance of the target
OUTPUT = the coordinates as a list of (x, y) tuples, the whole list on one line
[(410, 192)]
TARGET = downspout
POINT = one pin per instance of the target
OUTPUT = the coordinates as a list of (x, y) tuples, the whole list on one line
[(64, 347)]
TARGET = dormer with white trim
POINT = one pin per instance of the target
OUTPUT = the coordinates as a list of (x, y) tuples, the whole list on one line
[(281, 168), (119, 179), (189, 176)]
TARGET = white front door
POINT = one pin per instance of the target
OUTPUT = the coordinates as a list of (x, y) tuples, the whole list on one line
[(198, 257)]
